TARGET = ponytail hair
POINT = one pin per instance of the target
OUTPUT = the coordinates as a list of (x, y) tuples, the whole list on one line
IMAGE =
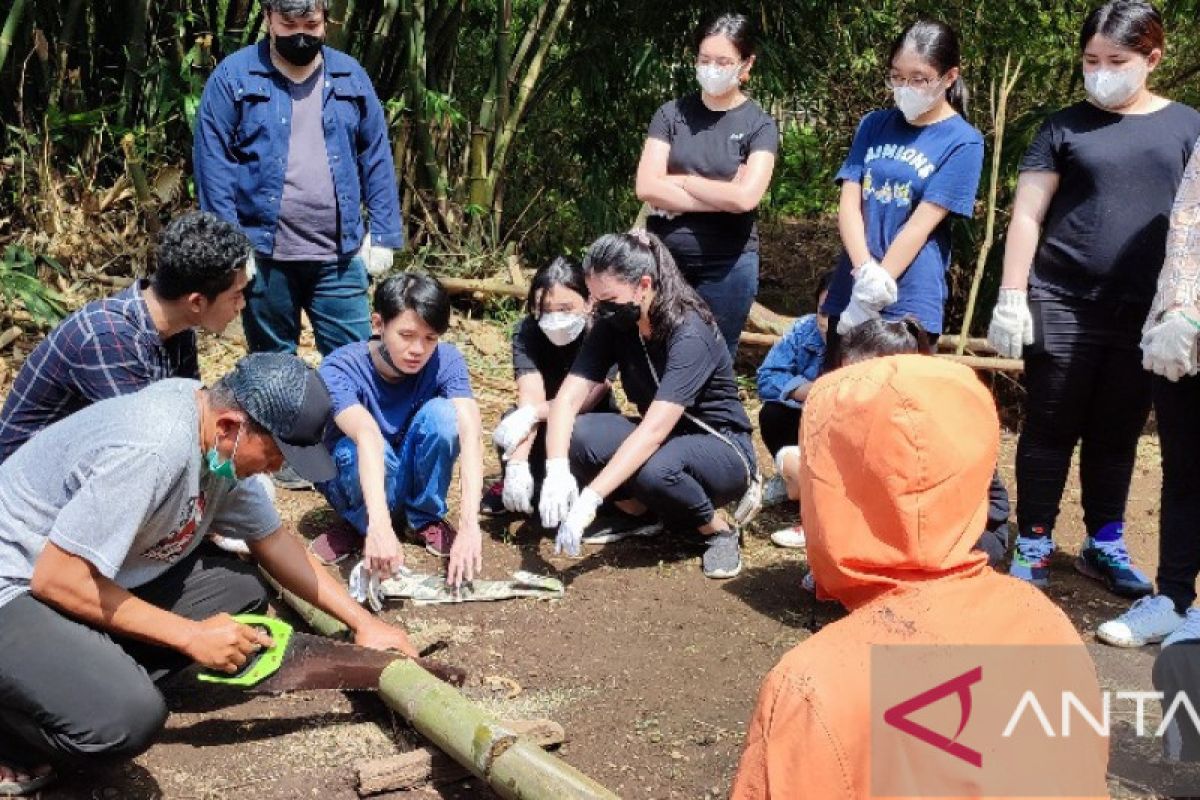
[(936, 44), (629, 256), (876, 338)]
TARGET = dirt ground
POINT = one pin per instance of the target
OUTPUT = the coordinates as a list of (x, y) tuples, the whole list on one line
[(652, 669)]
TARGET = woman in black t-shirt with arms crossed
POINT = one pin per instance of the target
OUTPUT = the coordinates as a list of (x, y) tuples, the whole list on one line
[(706, 164), (1088, 237), (690, 452)]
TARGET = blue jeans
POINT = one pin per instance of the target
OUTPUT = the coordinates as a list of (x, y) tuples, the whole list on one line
[(333, 295), (416, 479), (729, 290)]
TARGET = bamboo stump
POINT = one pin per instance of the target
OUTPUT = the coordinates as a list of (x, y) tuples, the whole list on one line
[(512, 765)]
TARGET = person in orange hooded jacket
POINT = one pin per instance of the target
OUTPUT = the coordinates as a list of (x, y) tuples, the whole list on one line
[(898, 453)]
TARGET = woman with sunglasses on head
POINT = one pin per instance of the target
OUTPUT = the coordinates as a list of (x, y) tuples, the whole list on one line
[(1084, 249), (690, 451), (705, 167), (909, 169)]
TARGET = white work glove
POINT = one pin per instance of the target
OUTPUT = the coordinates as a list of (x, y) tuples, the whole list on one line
[(378, 260), (1011, 328), (582, 514), (513, 429), (559, 491), (1169, 348), (251, 267), (874, 287), (518, 487), (853, 315)]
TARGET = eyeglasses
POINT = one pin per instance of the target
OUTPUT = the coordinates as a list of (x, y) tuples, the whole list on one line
[(895, 81), (723, 63)]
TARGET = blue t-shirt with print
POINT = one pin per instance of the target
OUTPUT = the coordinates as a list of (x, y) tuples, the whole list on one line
[(352, 380), (900, 166)]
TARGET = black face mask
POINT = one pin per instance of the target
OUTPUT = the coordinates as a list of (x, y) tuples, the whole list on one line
[(299, 48), (622, 316)]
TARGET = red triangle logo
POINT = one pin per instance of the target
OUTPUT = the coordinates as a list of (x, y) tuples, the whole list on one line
[(897, 715)]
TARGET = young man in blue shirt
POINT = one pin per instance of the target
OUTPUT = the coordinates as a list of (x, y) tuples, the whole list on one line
[(143, 334), (291, 143)]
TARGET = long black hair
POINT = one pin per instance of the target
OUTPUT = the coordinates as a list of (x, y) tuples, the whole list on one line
[(936, 44), (734, 27), (877, 337), (559, 272), (629, 256), (1130, 24)]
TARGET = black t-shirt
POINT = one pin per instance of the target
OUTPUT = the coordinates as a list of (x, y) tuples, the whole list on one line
[(533, 352), (710, 144), (693, 365), (1105, 232)]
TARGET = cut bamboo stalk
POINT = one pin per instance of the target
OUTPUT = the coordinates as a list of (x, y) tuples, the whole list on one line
[(513, 766), (428, 765), (975, 362), (317, 619)]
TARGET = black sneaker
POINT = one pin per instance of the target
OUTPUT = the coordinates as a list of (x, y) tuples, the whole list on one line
[(492, 502), (288, 478)]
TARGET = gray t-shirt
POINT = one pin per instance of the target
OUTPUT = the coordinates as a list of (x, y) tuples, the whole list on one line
[(122, 485), (308, 219)]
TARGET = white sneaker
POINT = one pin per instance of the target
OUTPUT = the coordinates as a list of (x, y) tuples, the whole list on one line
[(1190, 629), (1151, 619), (792, 537), (774, 491)]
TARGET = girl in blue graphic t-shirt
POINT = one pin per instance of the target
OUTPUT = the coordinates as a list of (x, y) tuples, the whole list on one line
[(910, 167)]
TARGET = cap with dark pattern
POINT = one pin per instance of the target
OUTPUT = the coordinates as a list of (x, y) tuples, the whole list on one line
[(287, 398)]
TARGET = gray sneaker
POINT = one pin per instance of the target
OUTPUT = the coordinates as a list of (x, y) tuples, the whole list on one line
[(288, 478), (774, 491), (723, 558)]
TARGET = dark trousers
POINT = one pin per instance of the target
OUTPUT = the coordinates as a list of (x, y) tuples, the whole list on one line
[(332, 294), (729, 289), (779, 425), (72, 694), (1177, 409), (685, 480), (1084, 382)]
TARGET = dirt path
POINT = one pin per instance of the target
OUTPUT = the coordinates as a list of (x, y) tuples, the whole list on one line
[(652, 669)]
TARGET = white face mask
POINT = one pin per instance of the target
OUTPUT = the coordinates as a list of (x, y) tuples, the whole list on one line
[(562, 327), (1113, 88), (716, 81), (914, 102)]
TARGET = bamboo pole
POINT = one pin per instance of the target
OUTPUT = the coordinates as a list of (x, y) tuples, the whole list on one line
[(9, 32), (763, 340), (512, 765), (317, 619), (1000, 105)]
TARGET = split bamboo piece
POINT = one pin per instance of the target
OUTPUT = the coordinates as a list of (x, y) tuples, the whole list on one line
[(428, 765), (513, 766)]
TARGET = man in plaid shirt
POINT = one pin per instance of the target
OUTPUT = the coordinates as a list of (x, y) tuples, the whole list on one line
[(120, 344)]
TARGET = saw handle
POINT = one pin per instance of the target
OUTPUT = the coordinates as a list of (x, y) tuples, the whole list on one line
[(262, 663)]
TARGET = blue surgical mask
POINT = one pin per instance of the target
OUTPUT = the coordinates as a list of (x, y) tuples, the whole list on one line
[(224, 469)]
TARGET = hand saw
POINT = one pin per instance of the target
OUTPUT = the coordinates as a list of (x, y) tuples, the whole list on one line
[(298, 661)]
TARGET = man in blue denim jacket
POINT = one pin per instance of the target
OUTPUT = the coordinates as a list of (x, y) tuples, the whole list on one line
[(291, 142)]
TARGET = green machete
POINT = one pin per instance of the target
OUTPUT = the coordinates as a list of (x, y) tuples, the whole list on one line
[(297, 661)]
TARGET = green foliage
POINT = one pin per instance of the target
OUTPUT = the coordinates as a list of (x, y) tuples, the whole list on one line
[(803, 185), (20, 285)]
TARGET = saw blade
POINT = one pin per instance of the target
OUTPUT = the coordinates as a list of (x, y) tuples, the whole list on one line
[(319, 663)]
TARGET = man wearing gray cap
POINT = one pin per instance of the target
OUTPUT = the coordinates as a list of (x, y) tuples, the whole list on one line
[(103, 590)]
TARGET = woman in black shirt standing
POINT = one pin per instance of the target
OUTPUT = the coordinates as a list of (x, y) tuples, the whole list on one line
[(690, 452), (705, 166), (1085, 246)]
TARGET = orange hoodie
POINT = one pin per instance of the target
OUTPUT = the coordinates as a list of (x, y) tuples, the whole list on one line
[(898, 453)]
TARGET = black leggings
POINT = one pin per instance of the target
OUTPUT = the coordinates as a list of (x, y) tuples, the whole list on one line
[(1084, 382), (1177, 409), (779, 424), (685, 480)]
